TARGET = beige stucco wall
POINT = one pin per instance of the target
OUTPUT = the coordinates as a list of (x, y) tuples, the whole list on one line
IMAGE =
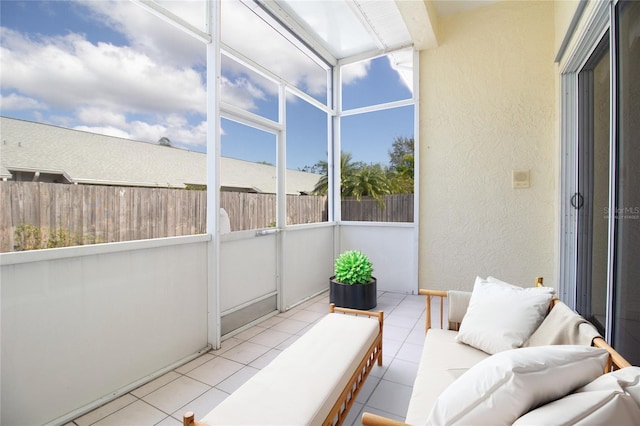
[(563, 14), (488, 107)]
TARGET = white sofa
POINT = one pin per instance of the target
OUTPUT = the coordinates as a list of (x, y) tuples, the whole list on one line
[(532, 363)]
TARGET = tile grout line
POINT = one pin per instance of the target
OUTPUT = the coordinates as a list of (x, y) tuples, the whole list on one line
[(416, 323), (385, 372), (306, 310)]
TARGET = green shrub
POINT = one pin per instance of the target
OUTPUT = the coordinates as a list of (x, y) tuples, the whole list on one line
[(61, 238), (353, 267), (27, 237), (31, 237)]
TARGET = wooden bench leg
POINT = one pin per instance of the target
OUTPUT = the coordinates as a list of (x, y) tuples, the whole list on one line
[(381, 322), (189, 419)]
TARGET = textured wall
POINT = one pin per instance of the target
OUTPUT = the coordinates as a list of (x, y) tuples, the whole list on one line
[(563, 14), (488, 107)]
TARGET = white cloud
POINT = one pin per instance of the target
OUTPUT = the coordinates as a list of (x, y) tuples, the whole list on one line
[(15, 102), (105, 130), (176, 128), (149, 33), (145, 89), (355, 71), (67, 71), (173, 126), (195, 136), (402, 63), (101, 84), (240, 92), (133, 91), (101, 116), (147, 132)]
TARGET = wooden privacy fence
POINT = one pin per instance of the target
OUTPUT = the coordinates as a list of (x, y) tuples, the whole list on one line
[(255, 211), (54, 215), (395, 208), (41, 215)]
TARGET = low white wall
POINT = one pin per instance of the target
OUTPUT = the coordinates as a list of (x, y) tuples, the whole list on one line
[(308, 254), (247, 268), (80, 323), (391, 248), (296, 263)]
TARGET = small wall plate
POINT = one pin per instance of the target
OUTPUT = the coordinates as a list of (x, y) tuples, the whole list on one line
[(521, 179)]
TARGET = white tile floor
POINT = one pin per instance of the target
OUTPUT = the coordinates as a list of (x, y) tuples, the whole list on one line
[(202, 383)]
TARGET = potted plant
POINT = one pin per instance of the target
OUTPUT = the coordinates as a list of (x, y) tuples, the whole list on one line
[(353, 286)]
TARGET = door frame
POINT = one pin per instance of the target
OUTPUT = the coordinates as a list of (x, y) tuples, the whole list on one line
[(599, 22)]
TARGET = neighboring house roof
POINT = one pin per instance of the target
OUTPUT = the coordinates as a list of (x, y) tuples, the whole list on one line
[(90, 158), (4, 173)]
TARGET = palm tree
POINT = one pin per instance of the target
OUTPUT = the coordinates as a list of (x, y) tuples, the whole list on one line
[(347, 169), (322, 186), (368, 181), (356, 179)]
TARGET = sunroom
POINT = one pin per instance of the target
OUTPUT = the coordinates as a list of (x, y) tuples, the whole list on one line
[(519, 120)]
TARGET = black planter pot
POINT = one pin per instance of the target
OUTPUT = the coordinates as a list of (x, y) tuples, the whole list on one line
[(355, 296)]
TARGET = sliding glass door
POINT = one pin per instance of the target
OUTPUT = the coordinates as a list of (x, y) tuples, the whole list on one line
[(592, 199), (626, 291), (600, 266)]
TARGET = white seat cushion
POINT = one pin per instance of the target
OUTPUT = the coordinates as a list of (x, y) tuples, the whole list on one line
[(443, 360), (300, 386), (500, 389)]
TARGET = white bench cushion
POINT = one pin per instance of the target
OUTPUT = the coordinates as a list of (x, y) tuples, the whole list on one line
[(443, 360), (300, 386)]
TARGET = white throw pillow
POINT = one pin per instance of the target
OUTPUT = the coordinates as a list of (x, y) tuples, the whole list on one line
[(611, 399), (542, 289), (501, 388), (502, 316)]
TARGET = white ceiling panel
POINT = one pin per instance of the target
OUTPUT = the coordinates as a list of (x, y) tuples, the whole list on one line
[(386, 22), (347, 28), (333, 23)]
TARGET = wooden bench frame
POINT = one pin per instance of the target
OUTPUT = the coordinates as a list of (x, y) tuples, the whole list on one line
[(616, 361), (345, 401)]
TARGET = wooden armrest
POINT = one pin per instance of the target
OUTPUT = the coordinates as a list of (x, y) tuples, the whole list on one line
[(189, 419), (616, 360), (369, 419), (433, 293), (378, 314)]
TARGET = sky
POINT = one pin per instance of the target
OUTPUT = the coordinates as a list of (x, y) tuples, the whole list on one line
[(112, 67)]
